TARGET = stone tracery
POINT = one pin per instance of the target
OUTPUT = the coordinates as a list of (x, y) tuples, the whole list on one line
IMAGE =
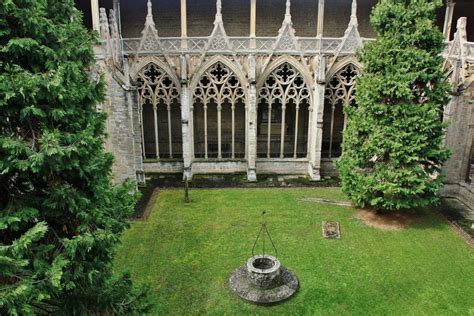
[(219, 110), (160, 113), (340, 91), (283, 106)]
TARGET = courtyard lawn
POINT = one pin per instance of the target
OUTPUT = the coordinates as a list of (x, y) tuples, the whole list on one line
[(186, 252)]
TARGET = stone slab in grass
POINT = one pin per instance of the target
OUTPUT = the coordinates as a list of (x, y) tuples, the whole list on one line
[(326, 201), (331, 230)]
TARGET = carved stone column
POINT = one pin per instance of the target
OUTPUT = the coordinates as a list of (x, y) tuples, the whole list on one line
[(157, 140), (448, 18), (184, 27), (320, 22), (95, 15), (316, 130), (219, 131), (206, 148), (295, 146), (253, 22), (283, 122), (252, 122), (185, 121), (232, 108)]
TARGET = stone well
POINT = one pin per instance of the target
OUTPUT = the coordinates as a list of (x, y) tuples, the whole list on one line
[(262, 279)]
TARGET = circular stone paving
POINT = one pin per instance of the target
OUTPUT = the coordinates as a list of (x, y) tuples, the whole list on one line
[(283, 286)]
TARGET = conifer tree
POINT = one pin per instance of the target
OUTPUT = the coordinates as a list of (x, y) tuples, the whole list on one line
[(60, 216), (393, 144)]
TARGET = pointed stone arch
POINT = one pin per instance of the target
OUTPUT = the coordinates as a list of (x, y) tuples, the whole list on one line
[(214, 60), (160, 109), (219, 96), (339, 91), (142, 62), (302, 69), (284, 101), (343, 62)]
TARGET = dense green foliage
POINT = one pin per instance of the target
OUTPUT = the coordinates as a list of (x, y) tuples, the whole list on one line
[(60, 216), (392, 151), (425, 269)]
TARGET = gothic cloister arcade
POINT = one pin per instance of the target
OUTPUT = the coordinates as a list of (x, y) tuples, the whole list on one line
[(266, 98), (218, 113)]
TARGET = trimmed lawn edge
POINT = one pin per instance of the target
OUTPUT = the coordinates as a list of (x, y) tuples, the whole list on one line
[(458, 229)]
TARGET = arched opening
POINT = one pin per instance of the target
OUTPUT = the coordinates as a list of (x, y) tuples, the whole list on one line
[(160, 114), (340, 91), (283, 114), (219, 114)]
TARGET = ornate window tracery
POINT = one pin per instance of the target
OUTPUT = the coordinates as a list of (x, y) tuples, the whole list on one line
[(339, 91), (160, 113), (283, 114), (219, 114)]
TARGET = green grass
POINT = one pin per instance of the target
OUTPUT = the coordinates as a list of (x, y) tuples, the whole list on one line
[(186, 252)]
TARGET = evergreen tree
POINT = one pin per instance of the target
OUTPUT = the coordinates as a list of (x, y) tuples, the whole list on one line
[(60, 216), (393, 144)]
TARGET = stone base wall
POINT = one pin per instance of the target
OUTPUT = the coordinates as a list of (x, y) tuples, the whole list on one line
[(297, 167), (460, 197), (294, 167), (163, 167), (328, 168), (216, 167)]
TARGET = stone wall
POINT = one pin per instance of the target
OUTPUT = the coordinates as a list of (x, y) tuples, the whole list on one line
[(270, 14), (236, 16), (459, 139), (121, 111)]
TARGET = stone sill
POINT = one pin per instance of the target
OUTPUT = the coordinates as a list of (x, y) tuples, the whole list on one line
[(162, 160), (330, 159), (217, 160), (282, 159)]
